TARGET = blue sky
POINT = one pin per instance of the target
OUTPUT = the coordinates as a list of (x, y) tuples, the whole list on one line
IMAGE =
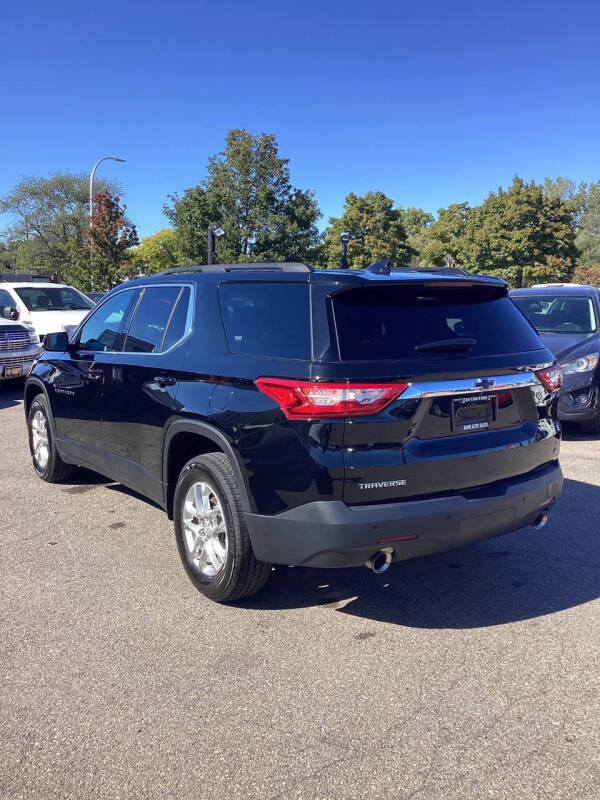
[(431, 102)]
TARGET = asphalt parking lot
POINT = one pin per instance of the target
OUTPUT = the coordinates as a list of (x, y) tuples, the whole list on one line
[(474, 674)]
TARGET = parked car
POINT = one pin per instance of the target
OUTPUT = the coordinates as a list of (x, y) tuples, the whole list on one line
[(47, 306), (19, 347), (282, 415), (567, 318)]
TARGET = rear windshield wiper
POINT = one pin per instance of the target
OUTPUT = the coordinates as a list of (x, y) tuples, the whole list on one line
[(446, 346)]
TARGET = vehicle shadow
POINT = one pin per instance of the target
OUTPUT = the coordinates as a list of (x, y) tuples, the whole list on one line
[(11, 393), (524, 575), (573, 433)]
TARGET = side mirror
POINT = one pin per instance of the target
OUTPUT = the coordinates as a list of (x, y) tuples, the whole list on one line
[(10, 312), (57, 342)]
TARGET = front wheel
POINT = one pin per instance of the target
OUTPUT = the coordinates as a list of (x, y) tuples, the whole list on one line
[(211, 533), (46, 460)]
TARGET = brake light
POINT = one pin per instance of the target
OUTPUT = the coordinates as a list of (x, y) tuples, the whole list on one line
[(311, 400), (552, 378)]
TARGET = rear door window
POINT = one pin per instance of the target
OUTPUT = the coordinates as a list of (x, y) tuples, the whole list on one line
[(150, 320), (267, 319), (402, 322)]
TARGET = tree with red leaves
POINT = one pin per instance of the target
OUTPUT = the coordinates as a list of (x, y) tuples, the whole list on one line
[(110, 237)]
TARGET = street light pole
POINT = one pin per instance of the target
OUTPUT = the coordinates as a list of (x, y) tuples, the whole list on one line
[(92, 173)]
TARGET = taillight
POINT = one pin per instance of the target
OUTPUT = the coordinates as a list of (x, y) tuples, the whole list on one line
[(309, 400), (551, 379)]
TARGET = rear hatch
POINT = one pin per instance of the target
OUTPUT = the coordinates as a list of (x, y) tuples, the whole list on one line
[(469, 410)]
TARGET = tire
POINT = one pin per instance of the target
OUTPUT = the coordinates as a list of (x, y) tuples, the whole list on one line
[(591, 426), (214, 545), (51, 468)]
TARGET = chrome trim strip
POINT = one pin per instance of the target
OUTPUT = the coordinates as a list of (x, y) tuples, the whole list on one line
[(469, 385)]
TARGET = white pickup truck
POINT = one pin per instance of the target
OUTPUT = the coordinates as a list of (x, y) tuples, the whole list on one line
[(48, 307)]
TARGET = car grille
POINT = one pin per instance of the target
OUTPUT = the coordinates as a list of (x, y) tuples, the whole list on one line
[(4, 360), (12, 340)]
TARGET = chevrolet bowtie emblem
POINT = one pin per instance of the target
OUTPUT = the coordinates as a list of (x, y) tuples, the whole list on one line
[(483, 383)]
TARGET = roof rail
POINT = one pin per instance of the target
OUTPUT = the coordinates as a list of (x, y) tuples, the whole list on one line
[(26, 277), (281, 266)]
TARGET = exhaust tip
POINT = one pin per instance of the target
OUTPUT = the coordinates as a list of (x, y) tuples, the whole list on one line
[(540, 520), (380, 561)]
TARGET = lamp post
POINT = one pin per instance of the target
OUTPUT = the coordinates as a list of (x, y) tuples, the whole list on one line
[(345, 237), (213, 234), (92, 173)]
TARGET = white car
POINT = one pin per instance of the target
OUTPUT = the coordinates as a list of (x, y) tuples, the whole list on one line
[(47, 307)]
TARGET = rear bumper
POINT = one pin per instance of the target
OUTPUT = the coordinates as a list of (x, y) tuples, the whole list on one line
[(332, 534)]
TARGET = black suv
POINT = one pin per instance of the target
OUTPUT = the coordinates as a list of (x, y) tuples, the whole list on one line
[(322, 418)]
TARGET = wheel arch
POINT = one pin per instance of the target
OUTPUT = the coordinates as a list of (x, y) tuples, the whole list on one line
[(185, 439)]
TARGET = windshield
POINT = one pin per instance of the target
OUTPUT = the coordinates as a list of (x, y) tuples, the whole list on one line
[(561, 314), (54, 298)]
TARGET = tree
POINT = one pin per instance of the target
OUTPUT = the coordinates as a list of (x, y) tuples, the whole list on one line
[(247, 192), (157, 252), (522, 234), (416, 223), (588, 234), (445, 238), (589, 275), (47, 219), (110, 238), (376, 231)]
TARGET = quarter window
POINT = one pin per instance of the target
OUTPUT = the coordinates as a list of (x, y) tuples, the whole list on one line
[(151, 318), (102, 331), (267, 319)]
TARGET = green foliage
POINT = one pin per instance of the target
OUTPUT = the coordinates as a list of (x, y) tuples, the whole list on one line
[(588, 234), (376, 231), (445, 238), (523, 234), (47, 218), (110, 238), (157, 253), (247, 192)]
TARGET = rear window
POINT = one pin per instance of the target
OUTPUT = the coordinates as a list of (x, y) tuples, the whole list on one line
[(562, 314), (419, 321), (267, 319)]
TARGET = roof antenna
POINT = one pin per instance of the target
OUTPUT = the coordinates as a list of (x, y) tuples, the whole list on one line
[(383, 267)]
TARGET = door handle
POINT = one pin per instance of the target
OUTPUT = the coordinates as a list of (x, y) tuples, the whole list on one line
[(165, 380)]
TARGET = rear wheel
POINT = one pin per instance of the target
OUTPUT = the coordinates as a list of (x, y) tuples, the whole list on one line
[(211, 533), (46, 460)]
